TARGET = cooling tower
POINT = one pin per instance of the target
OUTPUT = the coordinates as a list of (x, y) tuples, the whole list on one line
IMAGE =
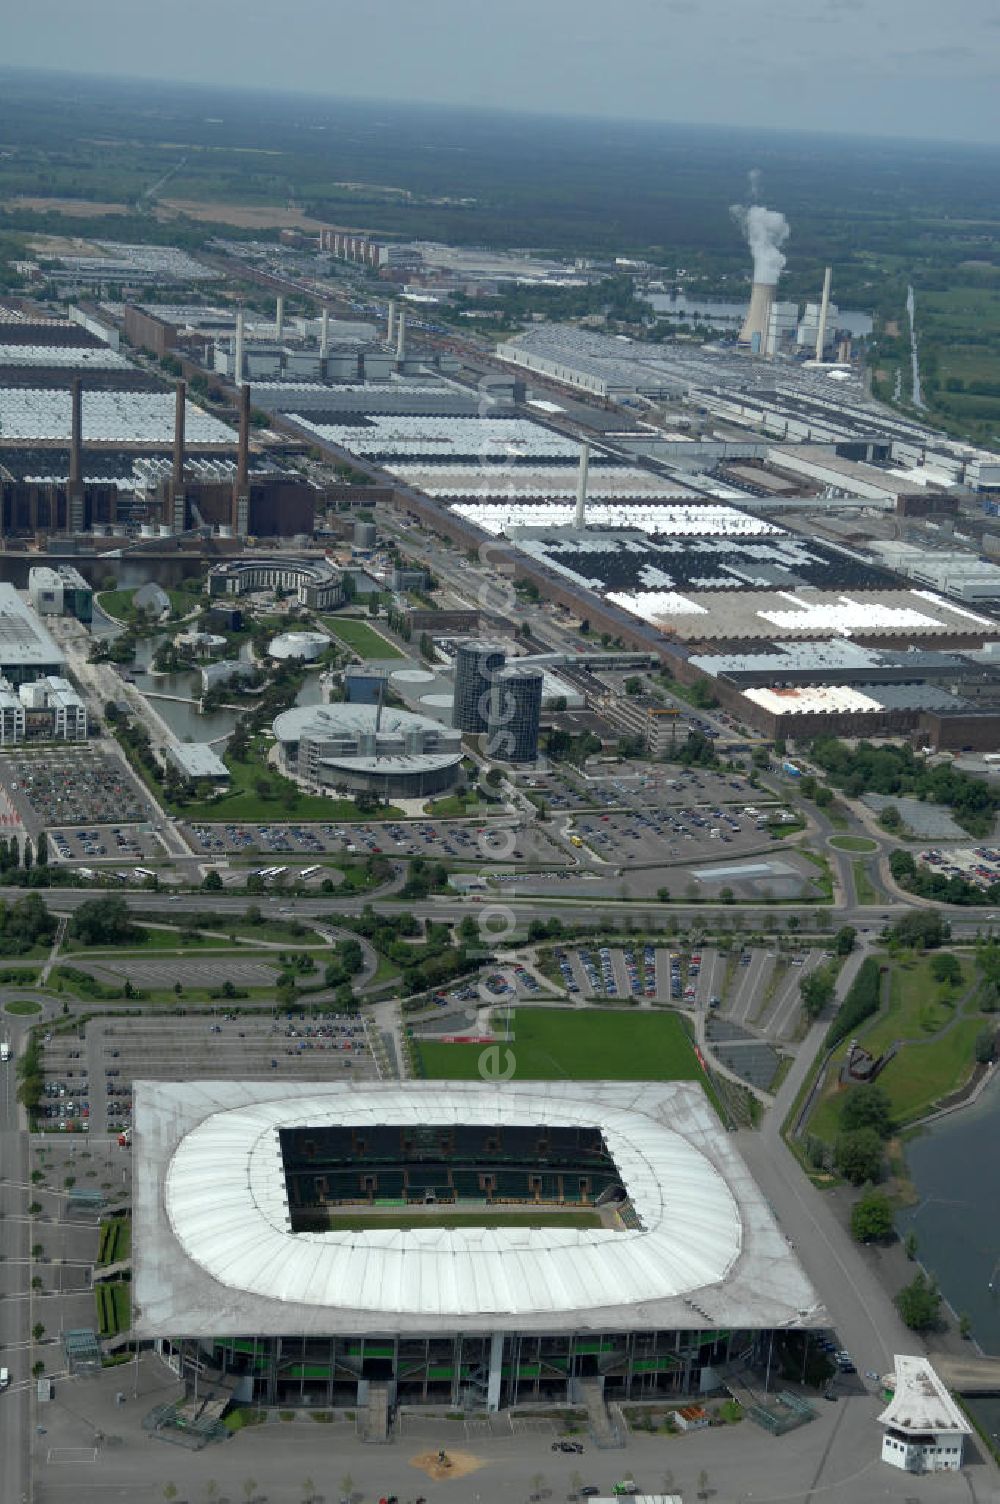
[(755, 325)]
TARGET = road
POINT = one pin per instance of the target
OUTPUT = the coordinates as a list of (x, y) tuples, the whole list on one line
[(866, 1321), (15, 1317)]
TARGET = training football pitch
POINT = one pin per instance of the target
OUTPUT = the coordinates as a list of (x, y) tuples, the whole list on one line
[(553, 1044)]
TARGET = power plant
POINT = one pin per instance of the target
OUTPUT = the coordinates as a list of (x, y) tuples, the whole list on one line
[(766, 232)]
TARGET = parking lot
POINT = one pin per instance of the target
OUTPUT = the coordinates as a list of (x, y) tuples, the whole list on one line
[(88, 1073), (654, 837), (755, 989), (126, 843), (462, 840), (979, 865), (638, 786), (78, 788)]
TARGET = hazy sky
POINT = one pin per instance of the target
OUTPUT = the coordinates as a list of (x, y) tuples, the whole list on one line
[(920, 68)]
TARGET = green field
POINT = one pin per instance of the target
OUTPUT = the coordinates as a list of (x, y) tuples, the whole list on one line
[(114, 1307), (539, 1216), (115, 1240), (863, 887), (853, 843), (937, 1039), (22, 1006), (359, 636), (550, 1044), (117, 603)]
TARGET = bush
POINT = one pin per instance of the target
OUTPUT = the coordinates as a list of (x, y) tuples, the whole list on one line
[(871, 1218), (862, 1000), (919, 1304), (858, 1155)]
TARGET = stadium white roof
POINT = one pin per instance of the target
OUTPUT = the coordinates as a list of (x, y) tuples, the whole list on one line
[(214, 1250)]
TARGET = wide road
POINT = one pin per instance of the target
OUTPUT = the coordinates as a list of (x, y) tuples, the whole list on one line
[(15, 1354), (163, 906)]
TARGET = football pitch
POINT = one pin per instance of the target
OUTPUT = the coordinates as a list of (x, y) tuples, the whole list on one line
[(555, 1044), (391, 1219)]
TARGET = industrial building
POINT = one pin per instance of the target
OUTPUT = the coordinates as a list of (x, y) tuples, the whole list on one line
[(243, 1267), (364, 748), (45, 709), (26, 649), (315, 582), (657, 725), (61, 591), (514, 713), (925, 1430), (476, 664), (198, 760)]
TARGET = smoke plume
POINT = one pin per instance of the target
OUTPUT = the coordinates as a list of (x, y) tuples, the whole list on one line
[(753, 181), (766, 232)]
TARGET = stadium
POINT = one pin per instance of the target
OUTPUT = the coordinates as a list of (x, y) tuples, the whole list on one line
[(465, 1244)]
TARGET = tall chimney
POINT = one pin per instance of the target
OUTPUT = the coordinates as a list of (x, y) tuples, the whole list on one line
[(401, 336), (238, 359), (324, 337), (241, 490), (75, 433), (279, 317), (580, 521), (824, 309), (181, 396), (390, 333)]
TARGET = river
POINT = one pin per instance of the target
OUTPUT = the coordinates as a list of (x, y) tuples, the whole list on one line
[(957, 1220)]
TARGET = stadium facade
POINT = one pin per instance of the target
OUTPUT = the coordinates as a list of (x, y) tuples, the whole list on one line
[(655, 1259)]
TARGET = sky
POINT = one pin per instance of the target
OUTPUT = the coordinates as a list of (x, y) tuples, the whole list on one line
[(912, 68)]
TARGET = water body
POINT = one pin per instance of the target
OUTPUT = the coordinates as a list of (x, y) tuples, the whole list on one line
[(957, 1221), (911, 309), (729, 316)]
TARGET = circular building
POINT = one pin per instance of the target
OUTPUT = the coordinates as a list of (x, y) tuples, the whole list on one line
[(368, 749), (306, 645)]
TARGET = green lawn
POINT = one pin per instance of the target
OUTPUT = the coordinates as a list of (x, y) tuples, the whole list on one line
[(540, 1216), (863, 886), (853, 843), (114, 1307), (116, 603), (22, 1006), (597, 1045), (115, 1242), (283, 801), (925, 1068), (362, 638)]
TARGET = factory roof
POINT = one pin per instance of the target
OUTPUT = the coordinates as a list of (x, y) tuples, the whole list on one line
[(125, 417), (396, 436), (551, 482), (76, 357), (213, 1249), (841, 699), (921, 1403), (650, 517), (24, 642)]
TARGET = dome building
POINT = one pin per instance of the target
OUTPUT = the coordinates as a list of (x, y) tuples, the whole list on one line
[(368, 749)]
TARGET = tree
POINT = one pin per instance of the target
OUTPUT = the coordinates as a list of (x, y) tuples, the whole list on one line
[(169, 1491), (703, 1484), (965, 1325), (249, 1487), (910, 1245), (212, 882), (858, 1155), (890, 819), (816, 991), (633, 685), (844, 940), (347, 1487), (103, 921), (867, 1107), (38, 1331), (985, 1046), (26, 856), (871, 1218), (919, 1304), (945, 968)]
